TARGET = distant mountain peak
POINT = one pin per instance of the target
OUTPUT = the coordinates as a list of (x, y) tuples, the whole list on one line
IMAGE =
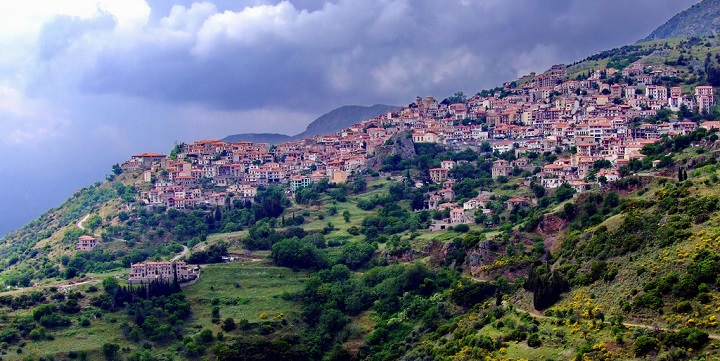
[(698, 20), (330, 122)]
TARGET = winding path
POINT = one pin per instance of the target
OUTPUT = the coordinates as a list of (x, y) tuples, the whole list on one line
[(539, 316), (181, 254), (79, 224)]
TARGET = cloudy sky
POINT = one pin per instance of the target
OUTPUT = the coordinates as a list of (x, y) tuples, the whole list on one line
[(85, 84)]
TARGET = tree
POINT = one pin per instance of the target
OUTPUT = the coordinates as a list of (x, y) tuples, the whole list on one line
[(94, 221), (546, 286), (346, 216), (359, 185), (602, 163), (685, 112), (713, 75), (462, 228), (564, 192), (229, 324), (70, 272), (295, 254), (418, 201), (356, 254), (269, 203), (110, 350), (213, 254), (111, 285), (458, 97), (537, 189), (485, 147), (534, 340), (644, 344), (179, 148)]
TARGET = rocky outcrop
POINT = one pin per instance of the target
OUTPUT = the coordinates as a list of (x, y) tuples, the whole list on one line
[(549, 229), (399, 144), (551, 223), (700, 19)]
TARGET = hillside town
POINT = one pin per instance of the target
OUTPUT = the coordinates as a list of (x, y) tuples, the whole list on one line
[(595, 118)]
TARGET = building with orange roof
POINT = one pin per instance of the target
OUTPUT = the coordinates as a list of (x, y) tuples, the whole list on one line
[(86, 243)]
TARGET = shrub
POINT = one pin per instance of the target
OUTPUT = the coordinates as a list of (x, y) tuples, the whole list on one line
[(685, 288), (683, 307), (687, 338), (110, 350), (462, 228), (296, 254), (353, 231), (355, 255), (229, 324), (204, 336), (472, 293), (517, 335), (651, 300), (43, 310), (644, 344), (534, 340), (9, 334)]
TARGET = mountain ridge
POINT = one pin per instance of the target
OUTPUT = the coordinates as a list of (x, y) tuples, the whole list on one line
[(329, 122), (700, 19)]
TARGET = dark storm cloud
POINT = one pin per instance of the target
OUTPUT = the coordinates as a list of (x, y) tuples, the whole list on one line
[(282, 55)]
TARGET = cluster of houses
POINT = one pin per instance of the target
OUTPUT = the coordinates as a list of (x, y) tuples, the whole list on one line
[(539, 113), (185, 180)]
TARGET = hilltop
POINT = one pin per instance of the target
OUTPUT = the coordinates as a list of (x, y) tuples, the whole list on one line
[(325, 124), (699, 20)]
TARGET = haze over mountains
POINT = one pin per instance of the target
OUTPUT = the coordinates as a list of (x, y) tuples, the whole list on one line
[(327, 123), (700, 19)]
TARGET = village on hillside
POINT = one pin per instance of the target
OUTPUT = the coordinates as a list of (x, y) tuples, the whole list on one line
[(594, 119)]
